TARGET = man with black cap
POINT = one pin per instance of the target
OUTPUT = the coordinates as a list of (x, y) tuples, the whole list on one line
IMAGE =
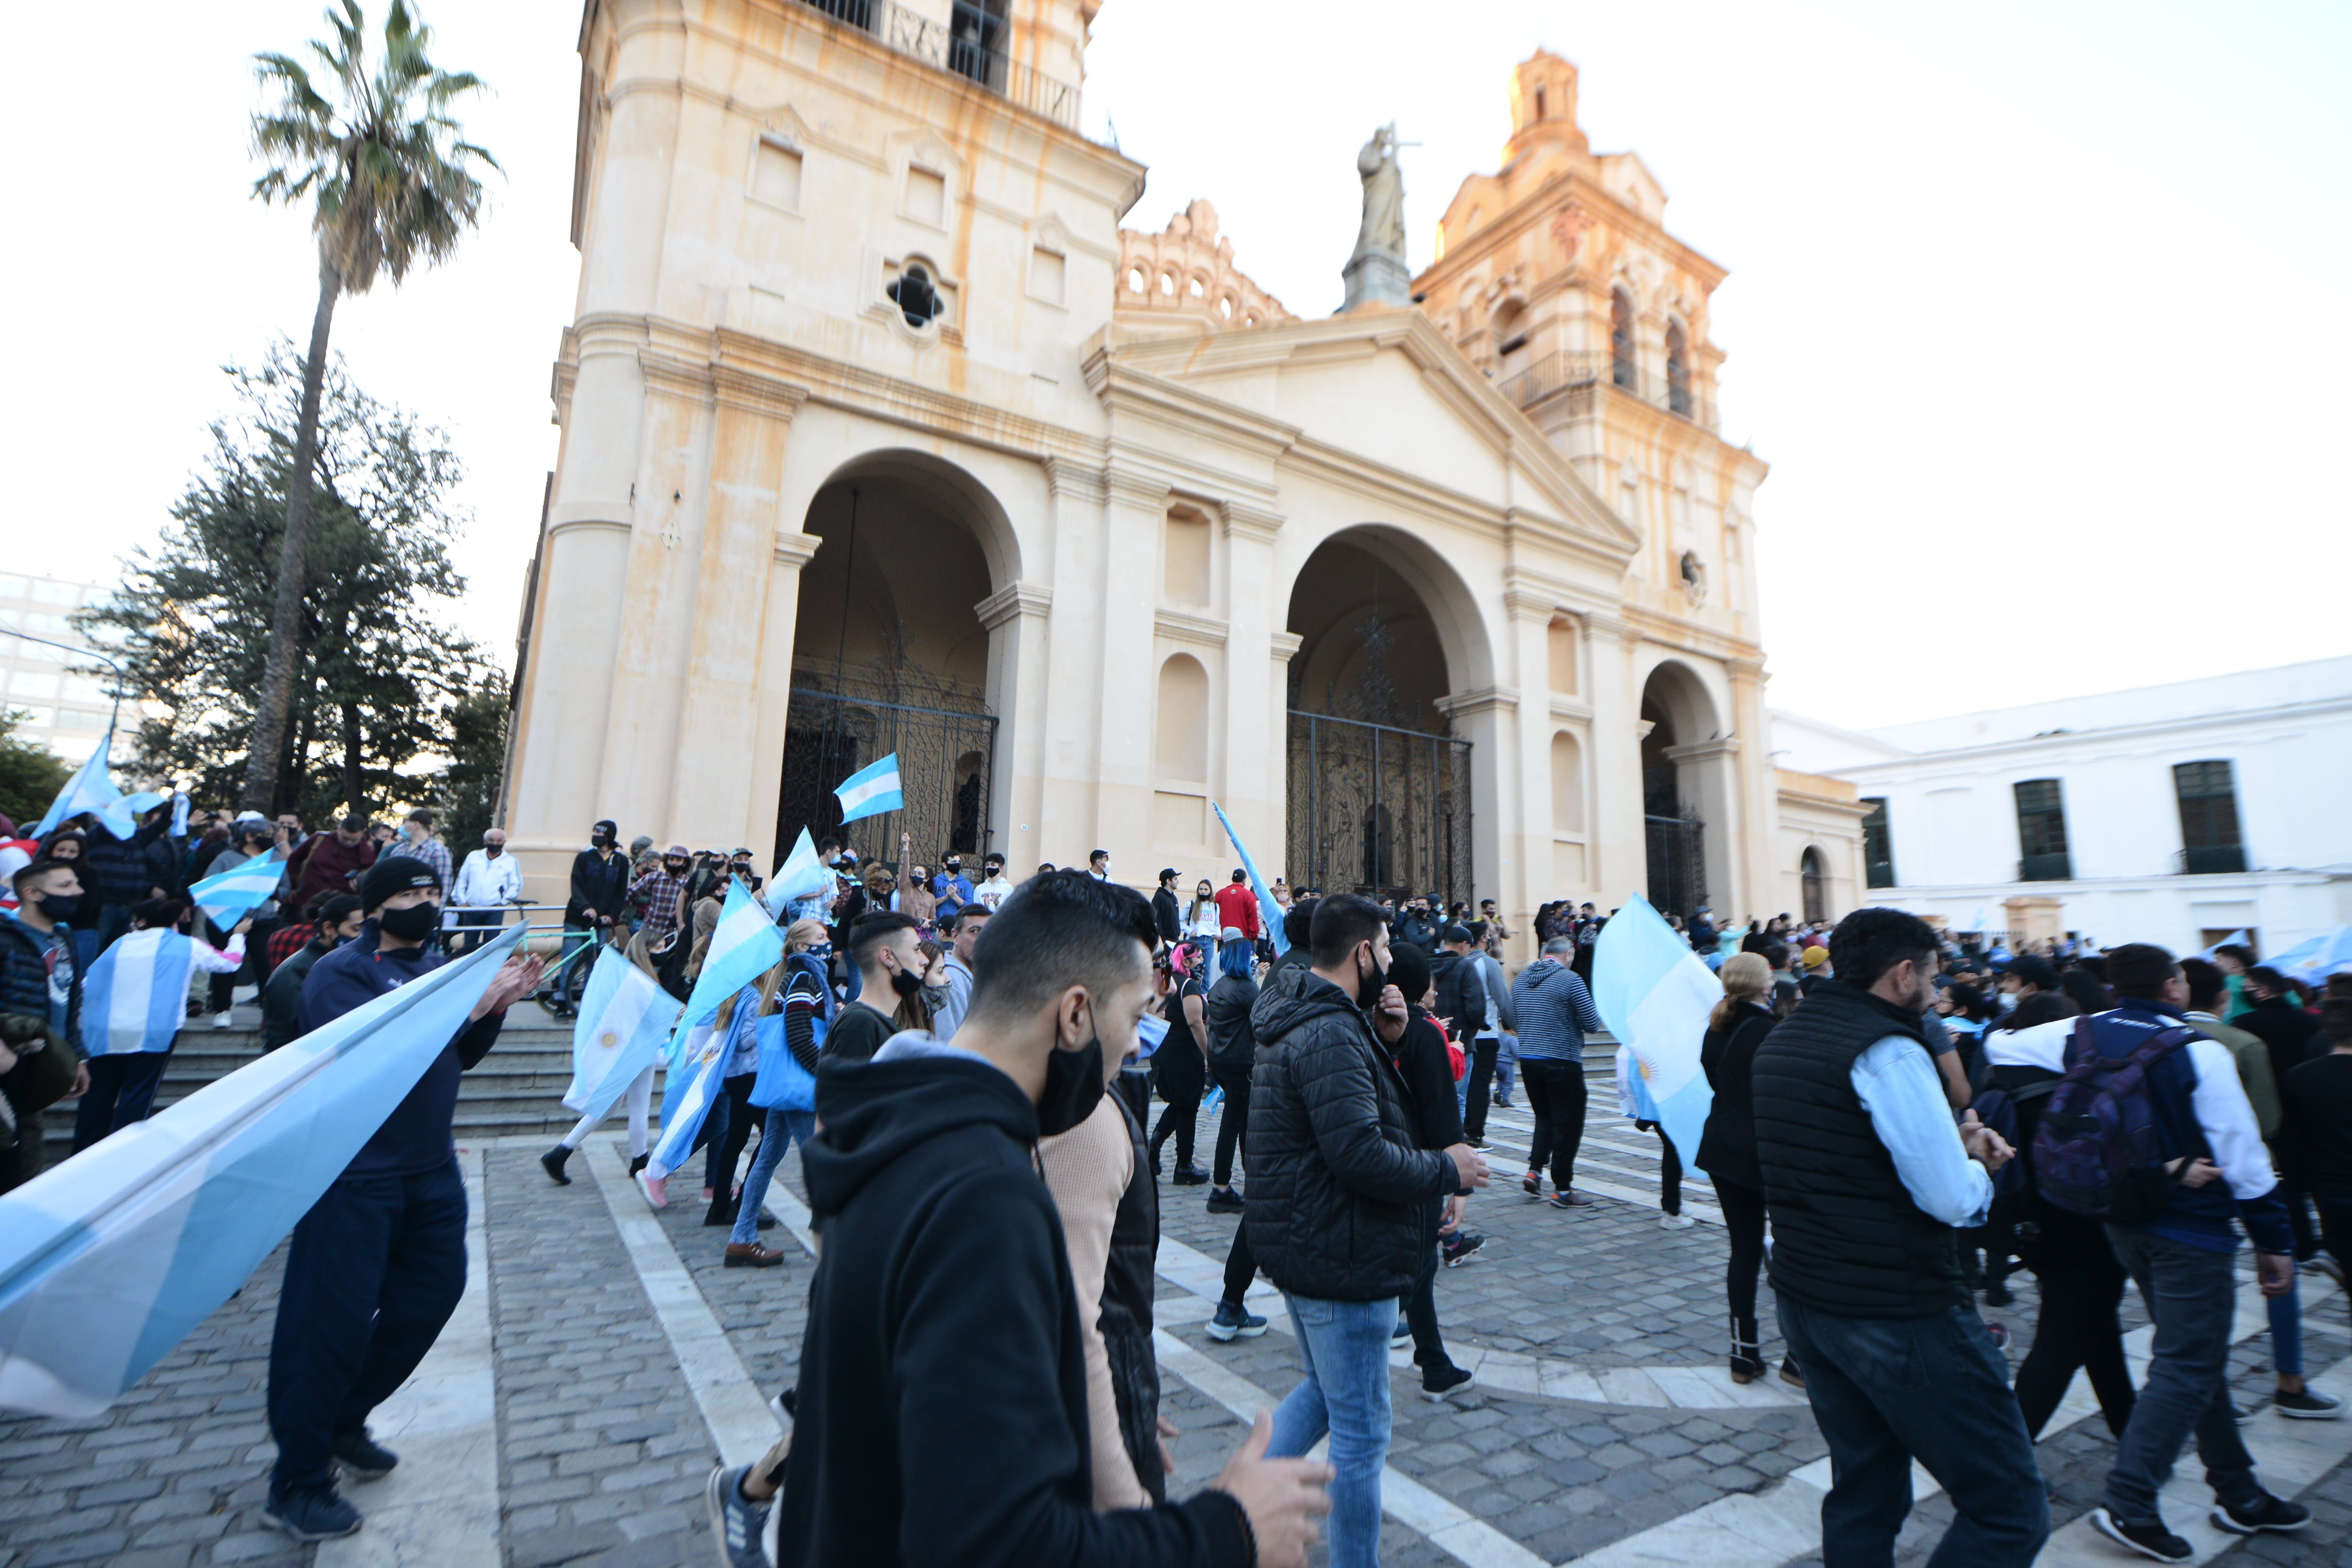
[(1166, 914), (378, 1264)]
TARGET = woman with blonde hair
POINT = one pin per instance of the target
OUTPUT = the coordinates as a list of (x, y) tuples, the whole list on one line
[(807, 1004), (1726, 1149)]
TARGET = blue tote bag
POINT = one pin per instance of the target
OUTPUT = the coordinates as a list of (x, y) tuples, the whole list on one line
[(783, 1084)]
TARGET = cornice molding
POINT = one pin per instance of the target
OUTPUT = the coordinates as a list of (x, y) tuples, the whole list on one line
[(1484, 699), (1012, 600), (1604, 625), (1121, 483), (681, 377), (1285, 645), (1705, 751), (1530, 605), (1563, 706), (589, 525), (1075, 481), (797, 550), (1244, 521), (1182, 627), (751, 393)]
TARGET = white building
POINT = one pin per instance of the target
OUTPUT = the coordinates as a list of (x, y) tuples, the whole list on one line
[(2168, 814), (60, 707)]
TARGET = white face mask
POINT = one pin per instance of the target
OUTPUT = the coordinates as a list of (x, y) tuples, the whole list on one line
[(2006, 1001)]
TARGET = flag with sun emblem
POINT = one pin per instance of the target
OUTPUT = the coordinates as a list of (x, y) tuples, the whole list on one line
[(623, 1029)]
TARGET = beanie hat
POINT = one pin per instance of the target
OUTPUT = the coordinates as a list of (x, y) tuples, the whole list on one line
[(1454, 933), (393, 874), (1409, 971)]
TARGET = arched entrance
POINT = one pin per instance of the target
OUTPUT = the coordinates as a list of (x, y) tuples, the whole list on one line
[(1677, 721), (1814, 872), (1378, 796), (890, 655)]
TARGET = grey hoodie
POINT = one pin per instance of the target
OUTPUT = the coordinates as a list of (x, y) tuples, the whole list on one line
[(1554, 1012)]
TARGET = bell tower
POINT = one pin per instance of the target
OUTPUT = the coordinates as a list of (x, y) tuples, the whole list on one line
[(1543, 105)]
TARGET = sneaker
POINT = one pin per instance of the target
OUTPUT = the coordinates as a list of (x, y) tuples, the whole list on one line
[(1458, 1247), (312, 1513), (220, 1019), (1401, 1337), (2270, 1514), (735, 1519), (1532, 1184), (2148, 1540), (1792, 1374), (1224, 1200), (1190, 1176), (1675, 1222), (1570, 1198), (1234, 1321), (637, 1164), (1482, 1145), (655, 1188), (362, 1459), (1502, 1103), (2309, 1406), (751, 1255), (1436, 1385), (553, 1163), (706, 1195)]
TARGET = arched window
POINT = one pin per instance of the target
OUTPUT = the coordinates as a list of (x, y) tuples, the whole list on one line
[(1678, 393), (1135, 279), (1620, 339), (1816, 873), (1567, 785), (913, 294), (1182, 754)]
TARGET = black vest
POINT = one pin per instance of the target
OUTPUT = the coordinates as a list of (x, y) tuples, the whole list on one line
[(1126, 1320), (1846, 1238)]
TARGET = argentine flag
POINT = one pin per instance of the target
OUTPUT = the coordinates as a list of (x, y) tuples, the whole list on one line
[(801, 876), (623, 1029), (871, 790), (682, 1112), (108, 1260), (1655, 994), (136, 995), (1269, 910), (227, 896), (744, 946), (90, 789)]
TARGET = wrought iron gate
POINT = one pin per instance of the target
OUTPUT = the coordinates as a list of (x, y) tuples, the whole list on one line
[(1375, 809), (1678, 863), (945, 755)]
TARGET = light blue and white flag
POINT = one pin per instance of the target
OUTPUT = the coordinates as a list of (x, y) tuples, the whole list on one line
[(623, 1029), (687, 1096), (2328, 954), (90, 789), (1655, 994), (871, 790), (2234, 939), (108, 1260), (136, 995), (801, 876), (1268, 909), (744, 946), (227, 896)]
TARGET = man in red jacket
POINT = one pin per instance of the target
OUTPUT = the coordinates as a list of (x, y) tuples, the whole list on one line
[(1237, 906), (332, 862)]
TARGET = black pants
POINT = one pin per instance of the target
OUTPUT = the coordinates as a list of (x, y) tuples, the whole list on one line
[(1421, 1311), (474, 927), (121, 1092), (1670, 1169), (376, 1270), (1743, 1219), (736, 1116), (2077, 1327), (2298, 1214), (1234, 1124), (1556, 1095), (1481, 1080), (1241, 1266), (1183, 1079)]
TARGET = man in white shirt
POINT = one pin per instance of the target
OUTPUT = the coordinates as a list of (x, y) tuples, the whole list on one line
[(489, 879), (1098, 865), (993, 888)]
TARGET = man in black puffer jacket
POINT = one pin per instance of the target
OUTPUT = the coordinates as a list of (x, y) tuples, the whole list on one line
[(1340, 1190)]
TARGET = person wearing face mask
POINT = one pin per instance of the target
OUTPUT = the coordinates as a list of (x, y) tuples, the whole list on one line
[(130, 1046), (1867, 1182), (883, 949), (42, 960), (1339, 1193), (281, 1000), (600, 887), (941, 1415), (377, 1265), (488, 880)]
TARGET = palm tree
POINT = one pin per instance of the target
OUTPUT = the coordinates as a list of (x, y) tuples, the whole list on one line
[(391, 181)]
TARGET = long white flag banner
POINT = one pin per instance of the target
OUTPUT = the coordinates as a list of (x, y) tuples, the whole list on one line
[(108, 1260)]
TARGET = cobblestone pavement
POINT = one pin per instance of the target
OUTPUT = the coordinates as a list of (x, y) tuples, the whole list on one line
[(603, 1445)]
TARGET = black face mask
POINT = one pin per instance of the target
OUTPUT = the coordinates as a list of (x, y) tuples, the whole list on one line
[(62, 906), (905, 982), (1369, 989), (413, 923), (1073, 1087)]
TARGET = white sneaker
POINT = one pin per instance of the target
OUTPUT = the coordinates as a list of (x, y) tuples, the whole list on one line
[(221, 1019), (1675, 1222)]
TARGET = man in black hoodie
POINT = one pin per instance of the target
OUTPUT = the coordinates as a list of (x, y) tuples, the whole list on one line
[(941, 1411)]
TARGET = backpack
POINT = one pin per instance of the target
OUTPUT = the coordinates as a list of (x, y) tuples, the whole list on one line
[(2012, 1185), (2095, 1153)]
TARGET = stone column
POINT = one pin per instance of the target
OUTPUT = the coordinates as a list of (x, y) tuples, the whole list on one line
[(772, 695), (1753, 773), (1254, 709), (1530, 871), (1135, 512), (1285, 647), (1017, 618), (1616, 842), (1488, 721), (1708, 773), (1069, 749), (713, 798)]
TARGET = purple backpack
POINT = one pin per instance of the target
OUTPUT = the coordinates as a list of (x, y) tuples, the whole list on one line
[(2094, 1152)]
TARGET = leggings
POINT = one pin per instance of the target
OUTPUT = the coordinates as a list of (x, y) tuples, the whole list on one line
[(1234, 1124), (1421, 1312), (1743, 1217), (1670, 1169), (2078, 1328), (1555, 1094), (1181, 1087), (639, 1096), (726, 1148), (1241, 1266), (1479, 1087)]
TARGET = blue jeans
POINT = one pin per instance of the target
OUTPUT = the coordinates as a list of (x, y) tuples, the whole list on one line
[(2286, 1330), (2192, 1294), (782, 1130), (1345, 1394), (1506, 1065), (1887, 1391)]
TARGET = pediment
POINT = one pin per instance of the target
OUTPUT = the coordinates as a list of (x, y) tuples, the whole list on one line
[(1296, 379)]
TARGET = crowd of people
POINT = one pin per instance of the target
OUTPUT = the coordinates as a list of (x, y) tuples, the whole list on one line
[(1911, 1120)]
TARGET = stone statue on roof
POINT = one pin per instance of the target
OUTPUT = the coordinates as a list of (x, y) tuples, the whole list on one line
[(1376, 272)]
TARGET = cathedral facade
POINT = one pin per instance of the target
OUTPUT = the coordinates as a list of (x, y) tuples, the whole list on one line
[(881, 435)]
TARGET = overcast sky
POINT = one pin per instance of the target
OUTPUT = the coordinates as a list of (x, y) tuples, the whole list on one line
[(2037, 309)]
